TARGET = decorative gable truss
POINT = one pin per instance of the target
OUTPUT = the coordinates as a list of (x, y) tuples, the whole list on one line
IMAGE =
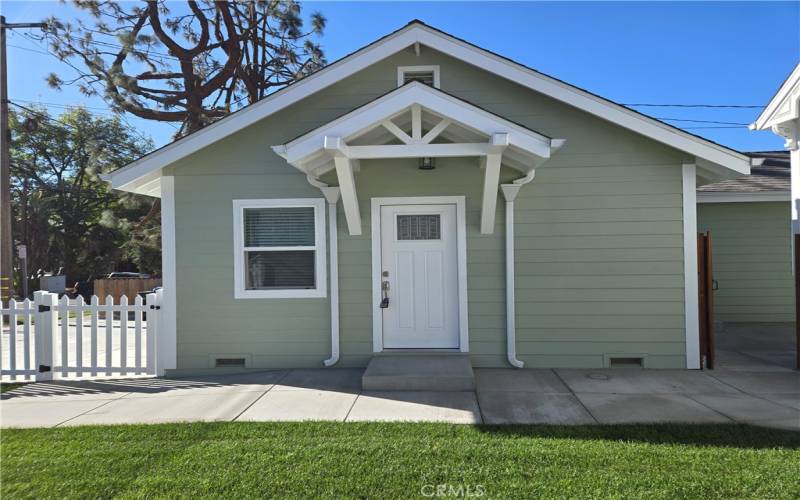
[(416, 121)]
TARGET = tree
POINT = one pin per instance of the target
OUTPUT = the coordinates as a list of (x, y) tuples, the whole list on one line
[(218, 54), (65, 214)]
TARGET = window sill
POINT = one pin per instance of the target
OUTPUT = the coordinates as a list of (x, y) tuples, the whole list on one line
[(280, 294)]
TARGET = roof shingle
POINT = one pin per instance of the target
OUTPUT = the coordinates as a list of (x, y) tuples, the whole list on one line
[(771, 176)]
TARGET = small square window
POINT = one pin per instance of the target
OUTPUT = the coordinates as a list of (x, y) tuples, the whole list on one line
[(280, 248)]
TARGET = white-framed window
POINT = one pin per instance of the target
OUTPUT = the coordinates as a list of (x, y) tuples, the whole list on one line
[(279, 248), (429, 75)]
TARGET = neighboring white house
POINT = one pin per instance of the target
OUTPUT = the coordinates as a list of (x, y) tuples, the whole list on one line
[(782, 116)]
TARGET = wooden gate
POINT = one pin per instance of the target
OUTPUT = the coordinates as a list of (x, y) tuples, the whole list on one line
[(706, 295)]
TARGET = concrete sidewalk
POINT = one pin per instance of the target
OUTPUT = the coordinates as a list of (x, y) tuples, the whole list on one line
[(502, 396)]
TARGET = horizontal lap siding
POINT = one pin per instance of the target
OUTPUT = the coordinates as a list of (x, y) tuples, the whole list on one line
[(485, 265), (600, 271), (752, 260), (598, 241), (599, 244)]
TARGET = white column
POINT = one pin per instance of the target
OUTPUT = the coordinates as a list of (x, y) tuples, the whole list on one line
[(690, 285), (166, 341)]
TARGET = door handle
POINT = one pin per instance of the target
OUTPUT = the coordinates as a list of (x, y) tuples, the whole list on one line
[(385, 293)]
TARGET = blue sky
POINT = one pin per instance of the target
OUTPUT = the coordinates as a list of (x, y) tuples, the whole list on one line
[(663, 53)]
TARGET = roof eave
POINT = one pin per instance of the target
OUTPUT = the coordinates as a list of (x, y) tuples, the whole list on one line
[(765, 119), (417, 32)]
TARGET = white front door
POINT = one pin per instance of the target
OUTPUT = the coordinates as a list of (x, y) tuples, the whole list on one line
[(419, 264)]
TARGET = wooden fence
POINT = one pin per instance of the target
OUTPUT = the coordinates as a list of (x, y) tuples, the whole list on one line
[(124, 287)]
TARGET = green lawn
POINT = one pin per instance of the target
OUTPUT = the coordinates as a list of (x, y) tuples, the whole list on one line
[(5, 387), (249, 460)]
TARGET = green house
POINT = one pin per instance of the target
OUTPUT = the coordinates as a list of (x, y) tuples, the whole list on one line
[(749, 219), (423, 194)]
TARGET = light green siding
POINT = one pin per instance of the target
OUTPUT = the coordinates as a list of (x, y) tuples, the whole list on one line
[(751, 250), (599, 237)]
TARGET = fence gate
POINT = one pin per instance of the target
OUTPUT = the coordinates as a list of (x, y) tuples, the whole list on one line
[(706, 295), (70, 339)]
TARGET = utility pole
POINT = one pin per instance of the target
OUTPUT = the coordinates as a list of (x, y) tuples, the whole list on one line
[(6, 245)]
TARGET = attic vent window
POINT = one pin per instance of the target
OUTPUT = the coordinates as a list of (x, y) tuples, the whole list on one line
[(429, 75)]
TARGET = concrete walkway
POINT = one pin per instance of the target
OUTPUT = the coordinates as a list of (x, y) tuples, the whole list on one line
[(756, 347), (503, 396)]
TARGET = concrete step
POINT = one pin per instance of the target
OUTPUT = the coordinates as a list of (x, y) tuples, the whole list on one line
[(419, 372)]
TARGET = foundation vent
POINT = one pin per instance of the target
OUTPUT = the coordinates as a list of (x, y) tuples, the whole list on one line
[(229, 362), (625, 362)]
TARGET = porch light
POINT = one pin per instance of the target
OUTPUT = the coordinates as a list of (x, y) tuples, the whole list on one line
[(426, 163)]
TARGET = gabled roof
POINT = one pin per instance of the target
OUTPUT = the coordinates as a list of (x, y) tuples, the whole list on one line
[(784, 105), (772, 176), (454, 120), (142, 175)]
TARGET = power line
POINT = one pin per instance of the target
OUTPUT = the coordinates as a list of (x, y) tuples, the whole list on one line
[(120, 116), (734, 106), (59, 105), (148, 51), (703, 121), (721, 126), (29, 49), (69, 125)]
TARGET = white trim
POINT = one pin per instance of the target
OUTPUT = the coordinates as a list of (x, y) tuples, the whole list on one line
[(491, 182), (436, 130), (320, 290), (690, 285), (396, 131), (347, 187), (723, 197), (417, 150), (413, 95), (434, 68), (784, 105), (584, 100), (461, 240), (419, 33), (167, 340)]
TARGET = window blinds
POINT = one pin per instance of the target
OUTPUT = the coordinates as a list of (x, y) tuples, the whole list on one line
[(279, 227)]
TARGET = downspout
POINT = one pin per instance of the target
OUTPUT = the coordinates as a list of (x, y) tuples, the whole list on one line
[(510, 192), (332, 196)]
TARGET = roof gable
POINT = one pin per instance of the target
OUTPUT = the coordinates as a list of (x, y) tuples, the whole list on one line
[(387, 119), (142, 175), (784, 105)]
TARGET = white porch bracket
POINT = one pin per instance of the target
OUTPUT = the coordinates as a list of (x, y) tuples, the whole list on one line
[(491, 182), (347, 185)]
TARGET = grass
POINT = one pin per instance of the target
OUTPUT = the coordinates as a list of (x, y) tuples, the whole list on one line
[(373, 460), (9, 387)]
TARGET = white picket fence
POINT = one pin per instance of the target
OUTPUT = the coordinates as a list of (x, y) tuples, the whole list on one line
[(46, 336)]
